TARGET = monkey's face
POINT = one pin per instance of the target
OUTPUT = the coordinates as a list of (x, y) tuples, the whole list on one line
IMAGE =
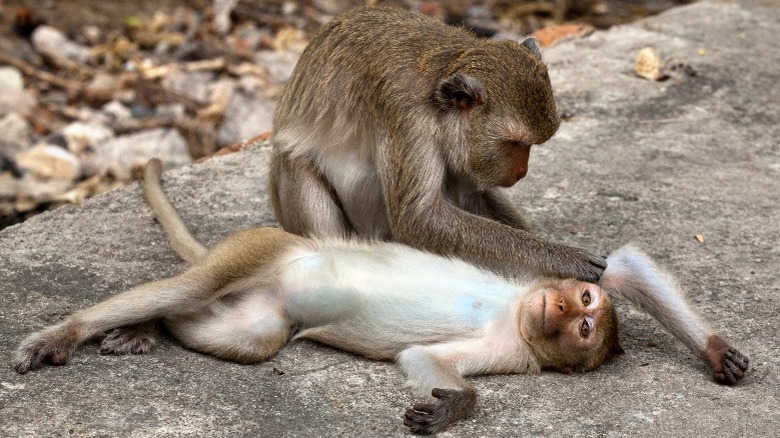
[(514, 110), (569, 325), (501, 162)]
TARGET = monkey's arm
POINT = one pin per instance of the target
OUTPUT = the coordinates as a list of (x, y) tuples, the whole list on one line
[(421, 215), (438, 370), (445, 229), (502, 210), (493, 204), (430, 373), (632, 275)]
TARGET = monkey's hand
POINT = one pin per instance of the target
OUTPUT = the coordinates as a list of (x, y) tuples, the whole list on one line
[(45, 346), (577, 263), (727, 364), (428, 418)]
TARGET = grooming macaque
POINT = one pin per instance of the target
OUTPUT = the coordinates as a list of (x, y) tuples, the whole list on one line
[(394, 126), (439, 318)]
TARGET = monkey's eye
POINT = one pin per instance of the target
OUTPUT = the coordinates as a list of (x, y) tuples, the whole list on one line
[(584, 329), (586, 298)]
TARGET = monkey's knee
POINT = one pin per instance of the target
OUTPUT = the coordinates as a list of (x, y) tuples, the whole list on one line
[(241, 333)]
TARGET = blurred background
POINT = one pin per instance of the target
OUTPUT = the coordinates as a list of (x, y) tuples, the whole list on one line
[(91, 89)]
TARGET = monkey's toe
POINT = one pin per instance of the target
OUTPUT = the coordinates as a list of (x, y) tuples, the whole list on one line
[(419, 419), (127, 340), (32, 358), (733, 369)]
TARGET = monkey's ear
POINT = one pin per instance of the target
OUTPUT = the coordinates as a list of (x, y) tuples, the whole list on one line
[(533, 45), (460, 92)]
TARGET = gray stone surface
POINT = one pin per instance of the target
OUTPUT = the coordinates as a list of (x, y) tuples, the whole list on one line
[(654, 163)]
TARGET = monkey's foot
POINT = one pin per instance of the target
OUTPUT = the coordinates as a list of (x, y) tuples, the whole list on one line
[(428, 418), (39, 349), (727, 364), (135, 339)]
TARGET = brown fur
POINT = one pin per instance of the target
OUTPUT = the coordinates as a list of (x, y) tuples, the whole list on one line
[(396, 126)]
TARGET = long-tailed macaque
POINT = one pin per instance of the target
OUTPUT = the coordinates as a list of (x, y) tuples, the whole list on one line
[(397, 127), (440, 318)]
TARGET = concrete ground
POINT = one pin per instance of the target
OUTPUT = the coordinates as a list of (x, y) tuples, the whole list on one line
[(653, 163)]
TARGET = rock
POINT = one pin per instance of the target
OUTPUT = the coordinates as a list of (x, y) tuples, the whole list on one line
[(246, 116), (222, 10), (280, 64), (53, 43), (193, 84), (15, 133), (10, 79), (46, 161), (13, 96), (332, 7), (121, 155), (81, 136), (117, 111)]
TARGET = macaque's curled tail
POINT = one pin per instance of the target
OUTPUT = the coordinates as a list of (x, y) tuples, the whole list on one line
[(182, 240)]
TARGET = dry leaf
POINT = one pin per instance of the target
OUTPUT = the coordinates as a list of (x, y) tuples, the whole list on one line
[(648, 64)]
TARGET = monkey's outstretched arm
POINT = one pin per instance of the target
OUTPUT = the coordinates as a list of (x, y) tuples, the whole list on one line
[(438, 370), (495, 205), (429, 373), (420, 215), (632, 275), (181, 239)]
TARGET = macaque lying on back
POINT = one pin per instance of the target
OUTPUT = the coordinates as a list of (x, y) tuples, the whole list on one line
[(438, 318)]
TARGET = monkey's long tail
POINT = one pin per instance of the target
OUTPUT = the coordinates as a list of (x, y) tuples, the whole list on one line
[(181, 238)]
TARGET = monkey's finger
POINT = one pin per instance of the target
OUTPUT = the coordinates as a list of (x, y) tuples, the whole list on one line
[(58, 358), (735, 368), (738, 358), (427, 408), (28, 360), (21, 366)]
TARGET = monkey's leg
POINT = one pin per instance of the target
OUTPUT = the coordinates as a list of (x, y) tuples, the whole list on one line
[(149, 301), (303, 201), (246, 328), (632, 275)]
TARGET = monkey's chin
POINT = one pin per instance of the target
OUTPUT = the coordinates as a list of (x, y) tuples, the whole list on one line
[(512, 180)]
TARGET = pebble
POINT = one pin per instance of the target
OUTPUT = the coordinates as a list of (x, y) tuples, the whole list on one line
[(246, 116), (49, 161), (15, 133), (53, 43), (120, 155), (13, 97), (193, 84), (81, 136)]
